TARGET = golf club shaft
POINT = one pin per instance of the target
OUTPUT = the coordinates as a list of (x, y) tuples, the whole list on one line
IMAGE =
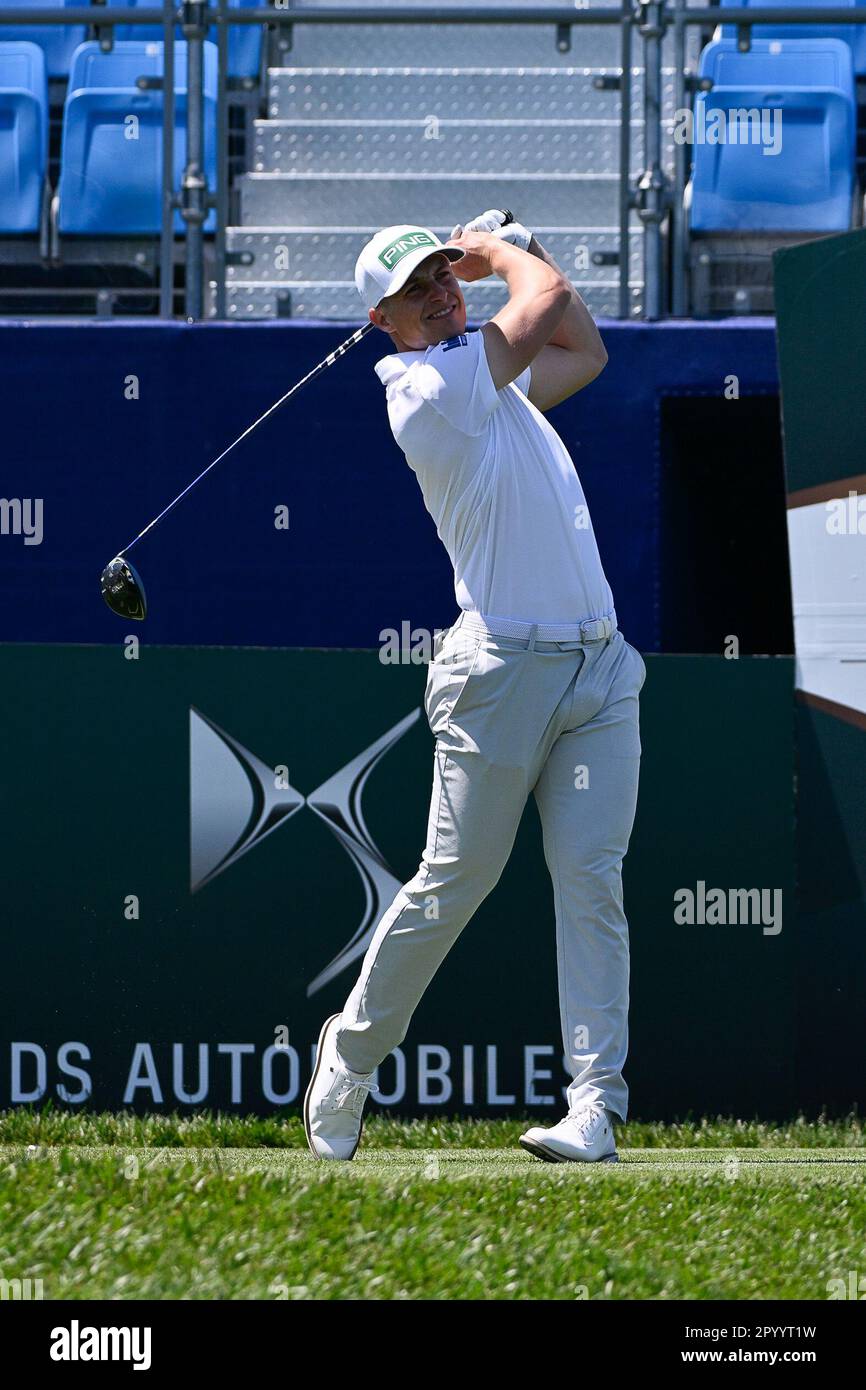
[(326, 362)]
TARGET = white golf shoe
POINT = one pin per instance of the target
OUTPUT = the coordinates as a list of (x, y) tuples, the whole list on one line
[(335, 1099), (584, 1136)]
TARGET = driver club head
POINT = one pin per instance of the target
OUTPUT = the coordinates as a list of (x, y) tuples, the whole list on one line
[(123, 590)]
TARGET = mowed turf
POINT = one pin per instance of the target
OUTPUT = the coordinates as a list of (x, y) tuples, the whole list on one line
[(224, 1207)]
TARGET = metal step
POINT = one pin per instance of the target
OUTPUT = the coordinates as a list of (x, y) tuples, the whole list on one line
[(534, 44), (437, 148), (359, 200), (281, 255), (466, 94), (455, 45), (339, 300)]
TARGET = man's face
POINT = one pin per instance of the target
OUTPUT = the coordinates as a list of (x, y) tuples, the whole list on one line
[(427, 310)]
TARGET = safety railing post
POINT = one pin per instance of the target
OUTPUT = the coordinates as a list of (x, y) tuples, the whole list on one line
[(625, 191), (652, 200), (166, 241), (194, 190), (222, 188), (681, 171)]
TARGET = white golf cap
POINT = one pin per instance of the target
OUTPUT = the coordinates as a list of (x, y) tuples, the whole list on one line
[(389, 258)]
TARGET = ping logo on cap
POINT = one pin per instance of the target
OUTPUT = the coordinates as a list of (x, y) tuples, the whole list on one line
[(396, 250)]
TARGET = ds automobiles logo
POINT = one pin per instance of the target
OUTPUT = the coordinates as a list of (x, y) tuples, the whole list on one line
[(236, 801)]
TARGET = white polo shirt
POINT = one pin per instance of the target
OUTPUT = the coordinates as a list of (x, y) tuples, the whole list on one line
[(499, 483)]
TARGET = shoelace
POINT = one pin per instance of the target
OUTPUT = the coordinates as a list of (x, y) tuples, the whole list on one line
[(582, 1119), (352, 1094)]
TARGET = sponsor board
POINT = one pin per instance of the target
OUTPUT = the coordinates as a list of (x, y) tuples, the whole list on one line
[(198, 843)]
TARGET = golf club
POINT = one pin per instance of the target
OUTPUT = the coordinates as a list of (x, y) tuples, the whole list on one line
[(120, 582)]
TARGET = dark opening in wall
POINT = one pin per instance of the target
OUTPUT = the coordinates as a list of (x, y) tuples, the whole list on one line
[(723, 533)]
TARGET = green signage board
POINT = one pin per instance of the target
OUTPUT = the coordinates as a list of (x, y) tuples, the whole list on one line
[(197, 843)]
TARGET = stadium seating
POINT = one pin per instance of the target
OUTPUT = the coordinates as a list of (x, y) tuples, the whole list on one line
[(343, 145), (23, 136), (852, 34), (808, 183), (245, 41), (110, 184), (58, 42)]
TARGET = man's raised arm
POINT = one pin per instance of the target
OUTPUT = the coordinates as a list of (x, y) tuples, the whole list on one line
[(538, 295), (574, 354), (545, 323)]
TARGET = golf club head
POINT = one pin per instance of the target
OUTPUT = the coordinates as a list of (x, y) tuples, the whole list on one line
[(123, 590)]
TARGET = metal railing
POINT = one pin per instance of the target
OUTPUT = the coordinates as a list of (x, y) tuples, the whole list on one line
[(654, 198)]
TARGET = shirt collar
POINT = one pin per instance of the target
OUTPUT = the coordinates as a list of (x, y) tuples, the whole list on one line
[(396, 364)]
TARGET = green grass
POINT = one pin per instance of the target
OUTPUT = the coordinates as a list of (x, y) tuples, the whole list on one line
[(114, 1206), (207, 1130)]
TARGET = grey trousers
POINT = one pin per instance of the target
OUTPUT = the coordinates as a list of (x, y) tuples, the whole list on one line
[(560, 720)]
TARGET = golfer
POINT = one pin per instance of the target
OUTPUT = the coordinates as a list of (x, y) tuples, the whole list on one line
[(533, 690)]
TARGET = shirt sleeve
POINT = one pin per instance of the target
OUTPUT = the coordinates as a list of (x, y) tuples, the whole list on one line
[(455, 379)]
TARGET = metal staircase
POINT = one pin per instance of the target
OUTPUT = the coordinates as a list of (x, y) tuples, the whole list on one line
[(373, 125)]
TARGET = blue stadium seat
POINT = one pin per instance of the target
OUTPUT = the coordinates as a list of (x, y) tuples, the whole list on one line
[(110, 180), (852, 34), (808, 185), (245, 41), (23, 136), (58, 42)]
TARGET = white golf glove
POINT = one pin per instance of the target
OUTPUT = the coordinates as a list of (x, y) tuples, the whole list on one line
[(494, 221)]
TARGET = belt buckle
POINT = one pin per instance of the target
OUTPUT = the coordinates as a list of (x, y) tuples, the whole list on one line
[(589, 630)]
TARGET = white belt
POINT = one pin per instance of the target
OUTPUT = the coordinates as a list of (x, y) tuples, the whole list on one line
[(589, 630)]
